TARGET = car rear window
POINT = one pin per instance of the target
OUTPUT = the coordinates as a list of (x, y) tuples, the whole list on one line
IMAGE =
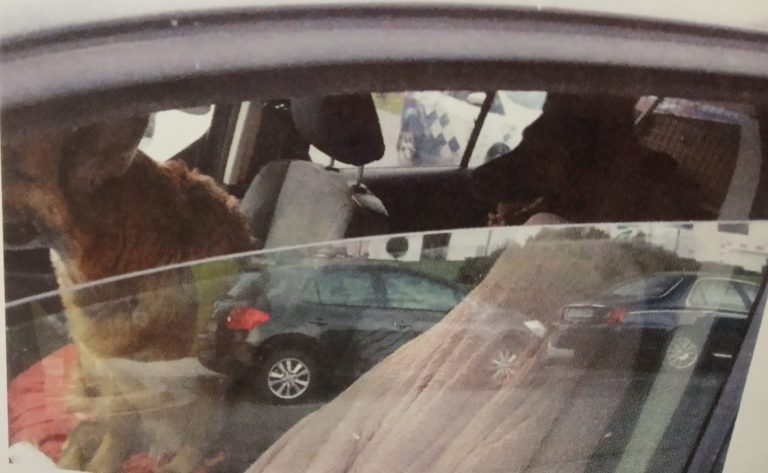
[(433, 128)]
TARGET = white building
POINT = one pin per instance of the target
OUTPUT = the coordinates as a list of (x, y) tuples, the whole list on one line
[(732, 243)]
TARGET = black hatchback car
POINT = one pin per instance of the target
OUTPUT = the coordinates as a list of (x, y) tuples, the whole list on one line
[(679, 319), (285, 330)]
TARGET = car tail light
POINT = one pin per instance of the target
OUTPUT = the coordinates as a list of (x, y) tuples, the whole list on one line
[(616, 316), (246, 318)]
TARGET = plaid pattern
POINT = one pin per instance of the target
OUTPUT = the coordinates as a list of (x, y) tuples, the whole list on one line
[(436, 139)]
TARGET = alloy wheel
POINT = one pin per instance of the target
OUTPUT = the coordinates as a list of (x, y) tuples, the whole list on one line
[(682, 353), (288, 378)]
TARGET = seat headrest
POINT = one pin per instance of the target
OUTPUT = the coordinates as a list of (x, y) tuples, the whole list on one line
[(345, 127)]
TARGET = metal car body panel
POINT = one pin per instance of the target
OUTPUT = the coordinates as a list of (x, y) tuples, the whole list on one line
[(307, 44)]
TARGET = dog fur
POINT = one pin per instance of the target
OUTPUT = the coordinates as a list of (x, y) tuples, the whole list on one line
[(105, 209)]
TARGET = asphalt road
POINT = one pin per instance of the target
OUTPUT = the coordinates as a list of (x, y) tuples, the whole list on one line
[(609, 420)]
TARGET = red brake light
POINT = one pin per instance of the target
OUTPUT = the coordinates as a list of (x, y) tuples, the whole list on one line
[(617, 315), (245, 318)]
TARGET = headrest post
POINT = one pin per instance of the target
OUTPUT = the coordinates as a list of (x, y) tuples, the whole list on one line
[(359, 180)]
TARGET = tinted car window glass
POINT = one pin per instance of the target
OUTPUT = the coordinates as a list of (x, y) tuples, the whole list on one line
[(310, 292), (718, 294), (651, 287), (346, 287), (246, 285), (277, 283), (407, 291), (286, 281), (506, 351)]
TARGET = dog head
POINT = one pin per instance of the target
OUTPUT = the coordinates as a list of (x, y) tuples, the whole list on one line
[(44, 175)]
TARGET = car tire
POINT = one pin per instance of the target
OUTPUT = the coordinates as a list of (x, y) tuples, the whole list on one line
[(287, 376), (683, 351)]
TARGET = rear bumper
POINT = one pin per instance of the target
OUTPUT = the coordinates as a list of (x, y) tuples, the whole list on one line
[(577, 338), (226, 352), (608, 339)]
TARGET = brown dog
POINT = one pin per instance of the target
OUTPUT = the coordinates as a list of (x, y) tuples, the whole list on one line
[(105, 209)]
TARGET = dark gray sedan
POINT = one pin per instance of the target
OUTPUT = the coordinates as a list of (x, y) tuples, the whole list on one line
[(289, 328), (677, 318)]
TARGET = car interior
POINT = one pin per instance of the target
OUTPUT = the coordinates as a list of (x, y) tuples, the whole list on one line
[(588, 158)]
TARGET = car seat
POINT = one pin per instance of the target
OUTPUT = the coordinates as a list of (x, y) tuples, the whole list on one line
[(294, 202)]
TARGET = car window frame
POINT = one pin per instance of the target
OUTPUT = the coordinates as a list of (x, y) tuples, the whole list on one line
[(472, 64)]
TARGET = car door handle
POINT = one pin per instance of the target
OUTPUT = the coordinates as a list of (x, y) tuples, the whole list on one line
[(319, 321), (401, 325)]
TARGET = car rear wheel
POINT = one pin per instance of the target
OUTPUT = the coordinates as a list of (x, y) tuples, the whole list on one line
[(288, 377), (683, 352)]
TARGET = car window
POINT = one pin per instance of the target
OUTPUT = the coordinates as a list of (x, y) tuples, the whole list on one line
[(422, 128), (650, 287), (171, 131), (346, 287), (408, 291), (507, 119), (522, 278), (246, 285), (310, 292), (433, 128), (718, 294), (587, 193)]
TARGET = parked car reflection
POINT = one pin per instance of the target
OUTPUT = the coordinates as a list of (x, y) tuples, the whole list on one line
[(678, 319), (288, 329)]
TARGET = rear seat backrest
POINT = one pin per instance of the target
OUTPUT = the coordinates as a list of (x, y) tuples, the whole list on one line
[(293, 202), (297, 202)]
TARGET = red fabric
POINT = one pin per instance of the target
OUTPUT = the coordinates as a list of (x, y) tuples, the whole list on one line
[(37, 407), (38, 413)]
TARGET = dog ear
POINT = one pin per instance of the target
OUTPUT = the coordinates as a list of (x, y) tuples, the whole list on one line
[(95, 153)]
